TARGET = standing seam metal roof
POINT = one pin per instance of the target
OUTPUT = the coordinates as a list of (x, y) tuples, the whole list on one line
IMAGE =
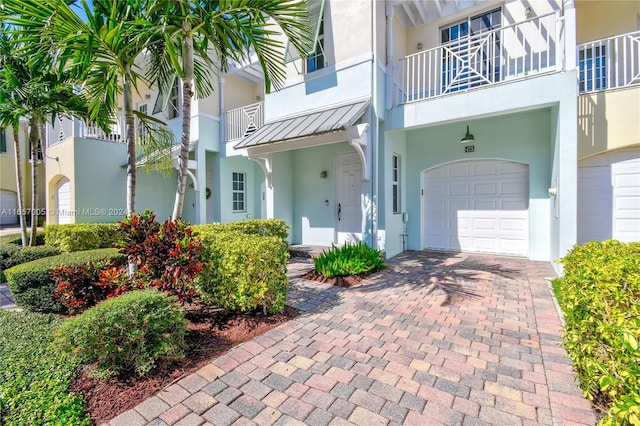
[(315, 123)]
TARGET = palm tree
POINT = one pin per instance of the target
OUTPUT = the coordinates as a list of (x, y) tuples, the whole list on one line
[(30, 91), (190, 33), (100, 53)]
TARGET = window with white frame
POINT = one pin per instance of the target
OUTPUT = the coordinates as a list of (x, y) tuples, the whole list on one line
[(239, 191), (395, 183), (3, 141), (592, 66), (142, 131), (174, 100), (315, 61)]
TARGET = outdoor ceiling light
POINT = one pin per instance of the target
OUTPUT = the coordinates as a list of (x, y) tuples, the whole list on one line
[(468, 138)]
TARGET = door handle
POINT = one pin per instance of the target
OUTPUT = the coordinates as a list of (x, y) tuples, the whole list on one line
[(339, 211)]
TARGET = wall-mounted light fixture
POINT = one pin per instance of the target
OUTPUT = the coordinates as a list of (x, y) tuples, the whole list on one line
[(468, 138), (147, 96), (419, 46), (323, 174), (528, 13), (553, 192)]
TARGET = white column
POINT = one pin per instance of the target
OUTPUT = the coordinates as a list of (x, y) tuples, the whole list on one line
[(570, 34)]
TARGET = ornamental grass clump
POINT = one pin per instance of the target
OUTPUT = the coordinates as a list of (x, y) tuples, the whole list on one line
[(600, 298), (350, 259)]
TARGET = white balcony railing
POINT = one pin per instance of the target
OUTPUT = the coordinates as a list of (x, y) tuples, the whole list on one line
[(507, 53), (610, 63), (65, 128), (241, 122)]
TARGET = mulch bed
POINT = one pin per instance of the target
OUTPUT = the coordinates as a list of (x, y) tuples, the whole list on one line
[(347, 281), (210, 335)]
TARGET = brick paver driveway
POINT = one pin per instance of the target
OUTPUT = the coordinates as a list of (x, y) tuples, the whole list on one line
[(435, 339)]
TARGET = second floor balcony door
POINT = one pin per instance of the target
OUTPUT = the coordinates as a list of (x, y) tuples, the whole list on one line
[(471, 52)]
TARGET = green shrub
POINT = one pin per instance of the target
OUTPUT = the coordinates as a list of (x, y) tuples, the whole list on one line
[(242, 272), (81, 236), (34, 376), (126, 334), (31, 283), (274, 227), (350, 259), (600, 298), (12, 255), (16, 239)]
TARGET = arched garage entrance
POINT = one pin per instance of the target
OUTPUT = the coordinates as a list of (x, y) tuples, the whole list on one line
[(477, 206), (63, 201)]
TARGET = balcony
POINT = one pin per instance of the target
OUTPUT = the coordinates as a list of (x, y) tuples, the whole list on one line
[(65, 128), (243, 121), (509, 53), (609, 63)]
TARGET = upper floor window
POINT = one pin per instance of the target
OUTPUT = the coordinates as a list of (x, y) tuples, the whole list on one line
[(142, 131), (3, 141), (471, 59), (313, 54), (172, 102), (239, 191), (592, 65), (315, 61)]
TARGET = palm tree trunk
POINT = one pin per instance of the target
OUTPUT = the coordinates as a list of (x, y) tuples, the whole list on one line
[(19, 183), (130, 134), (187, 94), (33, 140), (131, 140)]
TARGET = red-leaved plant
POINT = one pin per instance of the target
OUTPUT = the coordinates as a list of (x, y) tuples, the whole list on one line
[(166, 255)]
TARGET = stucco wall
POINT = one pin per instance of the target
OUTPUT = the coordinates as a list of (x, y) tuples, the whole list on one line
[(596, 19), (522, 137), (608, 120), (60, 164)]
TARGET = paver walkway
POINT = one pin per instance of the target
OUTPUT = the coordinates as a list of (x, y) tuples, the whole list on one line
[(435, 339), (6, 300)]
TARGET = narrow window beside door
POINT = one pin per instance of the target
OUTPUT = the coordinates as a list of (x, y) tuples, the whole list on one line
[(395, 183), (3, 142), (239, 192)]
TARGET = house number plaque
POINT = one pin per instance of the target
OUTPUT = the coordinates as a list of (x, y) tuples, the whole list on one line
[(470, 148)]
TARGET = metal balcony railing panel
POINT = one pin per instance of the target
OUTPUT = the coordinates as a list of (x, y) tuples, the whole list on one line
[(609, 63), (243, 121), (507, 53)]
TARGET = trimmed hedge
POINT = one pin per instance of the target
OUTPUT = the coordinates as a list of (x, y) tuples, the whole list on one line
[(35, 376), (16, 239), (31, 283), (129, 333), (242, 271), (81, 236), (273, 227), (600, 297), (12, 255)]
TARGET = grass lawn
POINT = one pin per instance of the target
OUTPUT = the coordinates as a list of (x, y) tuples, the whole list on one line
[(33, 376)]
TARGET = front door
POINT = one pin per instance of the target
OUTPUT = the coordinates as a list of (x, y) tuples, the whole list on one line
[(348, 196)]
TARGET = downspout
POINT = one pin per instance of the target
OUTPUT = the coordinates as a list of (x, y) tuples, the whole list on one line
[(373, 128), (389, 54)]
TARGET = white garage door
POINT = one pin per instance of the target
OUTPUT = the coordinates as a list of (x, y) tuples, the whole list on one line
[(64, 201), (8, 207), (609, 196), (477, 206)]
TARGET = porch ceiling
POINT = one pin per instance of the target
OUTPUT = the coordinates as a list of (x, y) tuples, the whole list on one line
[(328, 120), (414, 13)]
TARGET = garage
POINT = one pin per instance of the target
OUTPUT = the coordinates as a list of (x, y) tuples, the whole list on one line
[(477, 206), (8, 207), (609, 196), (63, 194)]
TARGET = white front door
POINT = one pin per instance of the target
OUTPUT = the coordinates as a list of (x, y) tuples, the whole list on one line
[(477, 206), (63, 193), (348, 196)]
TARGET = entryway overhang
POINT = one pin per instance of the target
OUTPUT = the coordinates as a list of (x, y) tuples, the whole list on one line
[(314, 128)]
